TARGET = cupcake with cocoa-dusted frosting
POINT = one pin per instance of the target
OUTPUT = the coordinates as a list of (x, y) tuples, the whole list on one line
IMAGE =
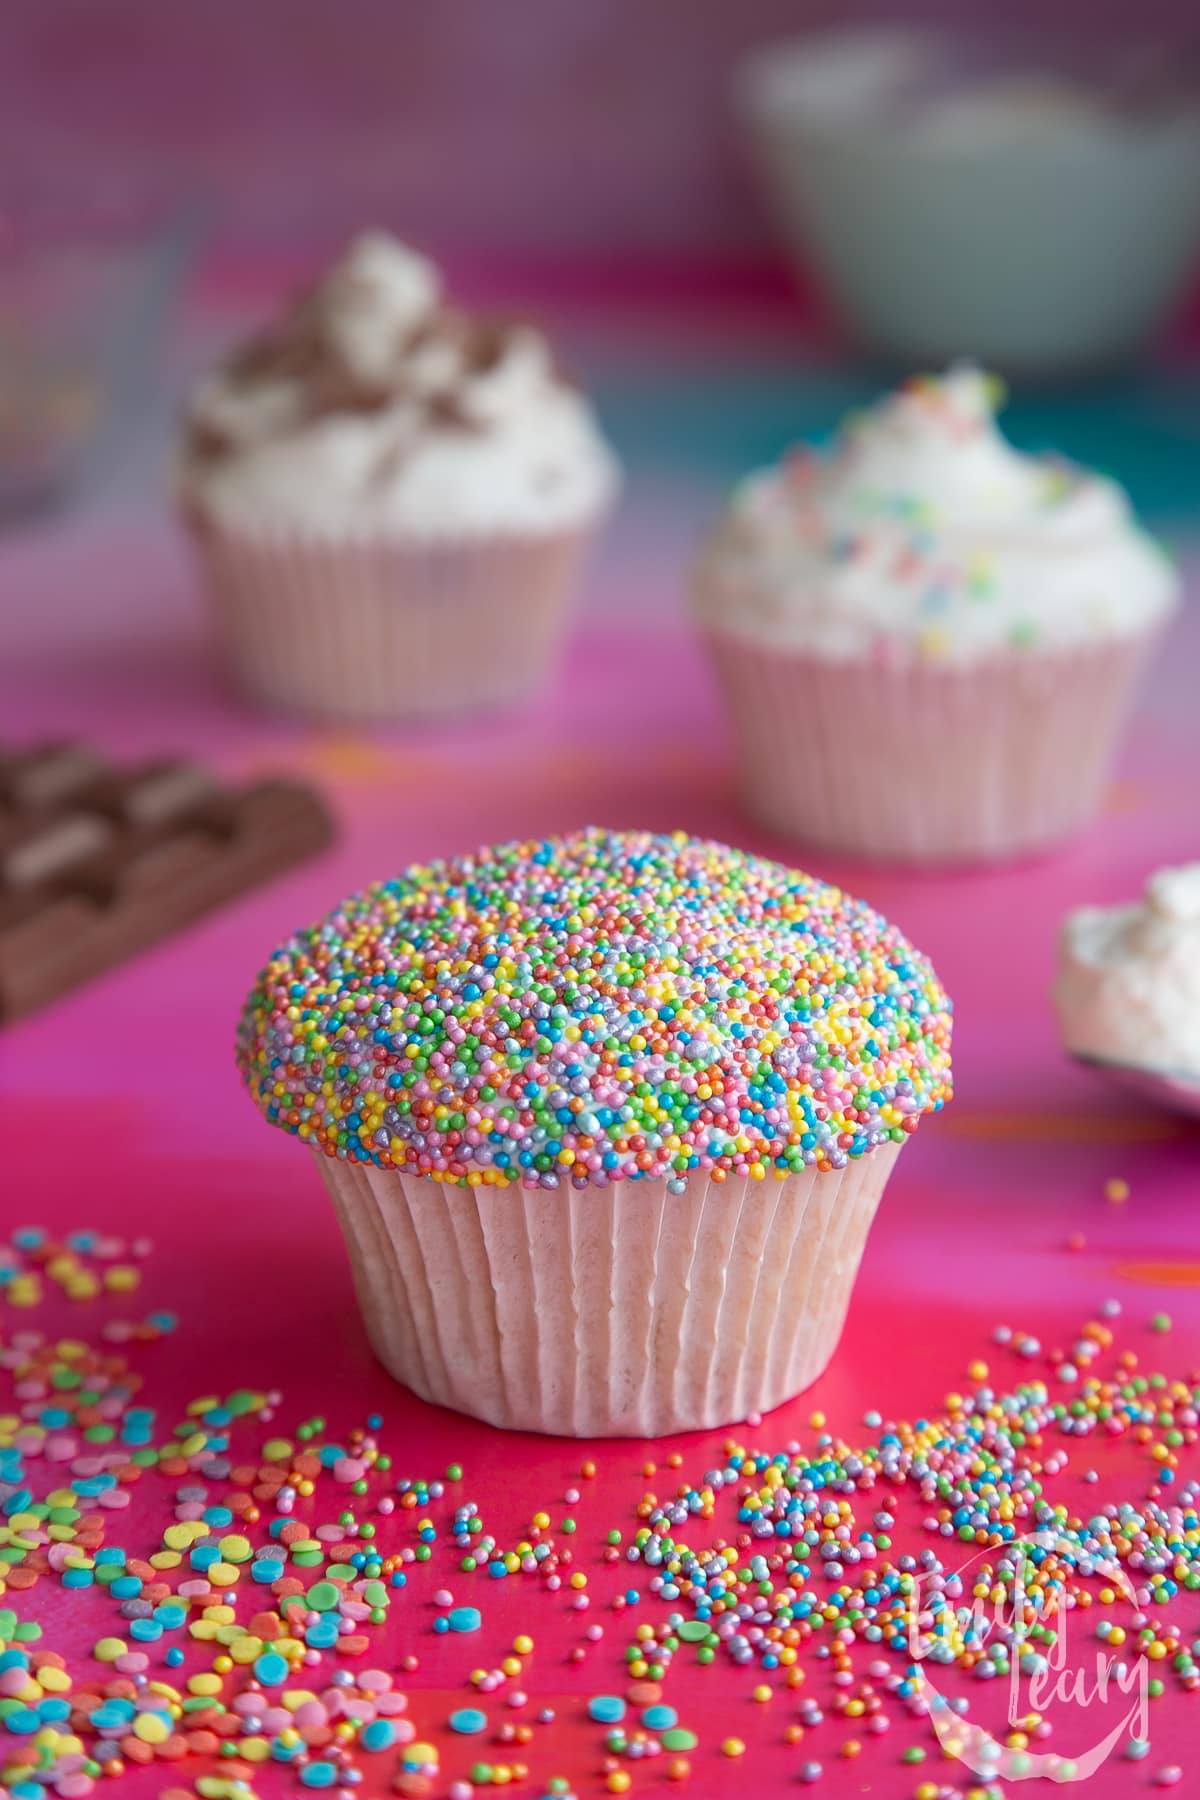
[(391, 498)]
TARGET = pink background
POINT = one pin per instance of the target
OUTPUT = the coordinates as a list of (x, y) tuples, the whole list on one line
[(600, 127)]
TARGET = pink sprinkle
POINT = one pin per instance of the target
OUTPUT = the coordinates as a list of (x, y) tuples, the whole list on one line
[(349, 1468), (88, 1466), (114, 1499), (376, 1681), (132, 1663), (13, 1681), (60, 1449), (310, 1712), (1171, 1776)]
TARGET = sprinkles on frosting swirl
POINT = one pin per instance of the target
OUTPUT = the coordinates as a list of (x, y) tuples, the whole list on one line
[(600, 1007)]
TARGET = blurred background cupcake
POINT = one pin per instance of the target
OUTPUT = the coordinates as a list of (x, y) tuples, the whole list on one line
[(391, 498), (928, 641)]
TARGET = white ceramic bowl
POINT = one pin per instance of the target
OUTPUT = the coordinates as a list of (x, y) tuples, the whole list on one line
[(1037, 222)]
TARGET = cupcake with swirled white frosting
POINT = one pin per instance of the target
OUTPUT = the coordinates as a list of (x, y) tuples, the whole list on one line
[(391, 497), (929, 640)]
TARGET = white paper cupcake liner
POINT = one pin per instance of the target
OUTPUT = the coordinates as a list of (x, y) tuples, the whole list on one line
[(928, 763), (409, 629), (607, 1312)]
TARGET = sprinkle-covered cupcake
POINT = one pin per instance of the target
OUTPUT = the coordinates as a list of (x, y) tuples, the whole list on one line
[(605, 1120), (929, 641), (391, 498)]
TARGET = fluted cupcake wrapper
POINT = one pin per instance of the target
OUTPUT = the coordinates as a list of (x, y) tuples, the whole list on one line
[(618, 1311), (352, 629), (927, 764)]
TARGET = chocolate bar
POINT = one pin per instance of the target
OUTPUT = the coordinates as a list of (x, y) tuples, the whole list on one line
[(97, 863)]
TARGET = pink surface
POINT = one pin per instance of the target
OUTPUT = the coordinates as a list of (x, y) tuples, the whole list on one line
[(122, 1110)]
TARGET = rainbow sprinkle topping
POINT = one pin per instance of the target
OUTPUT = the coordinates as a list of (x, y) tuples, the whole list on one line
[(600, 1007)]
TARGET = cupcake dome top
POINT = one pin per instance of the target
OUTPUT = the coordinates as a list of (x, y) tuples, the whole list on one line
[(922, 533), (372, 404), (596, 1007)]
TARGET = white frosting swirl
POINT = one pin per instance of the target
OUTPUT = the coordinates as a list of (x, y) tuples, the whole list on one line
[(1128, 987), (925, 533), (374, 408)]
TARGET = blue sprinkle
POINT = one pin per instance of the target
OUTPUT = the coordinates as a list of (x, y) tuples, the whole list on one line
[(380, 1734), (319, 1774), (465, 1618), (468, 1720), (659, 1718), (606, 1709)]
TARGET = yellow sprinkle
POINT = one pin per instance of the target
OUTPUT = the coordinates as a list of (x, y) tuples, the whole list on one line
[(1116, 1190), (107, 1649), (165, 1559), (182, 1537), (236, 1549), (54, 1681), (203, 1684), (152, 1728)]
